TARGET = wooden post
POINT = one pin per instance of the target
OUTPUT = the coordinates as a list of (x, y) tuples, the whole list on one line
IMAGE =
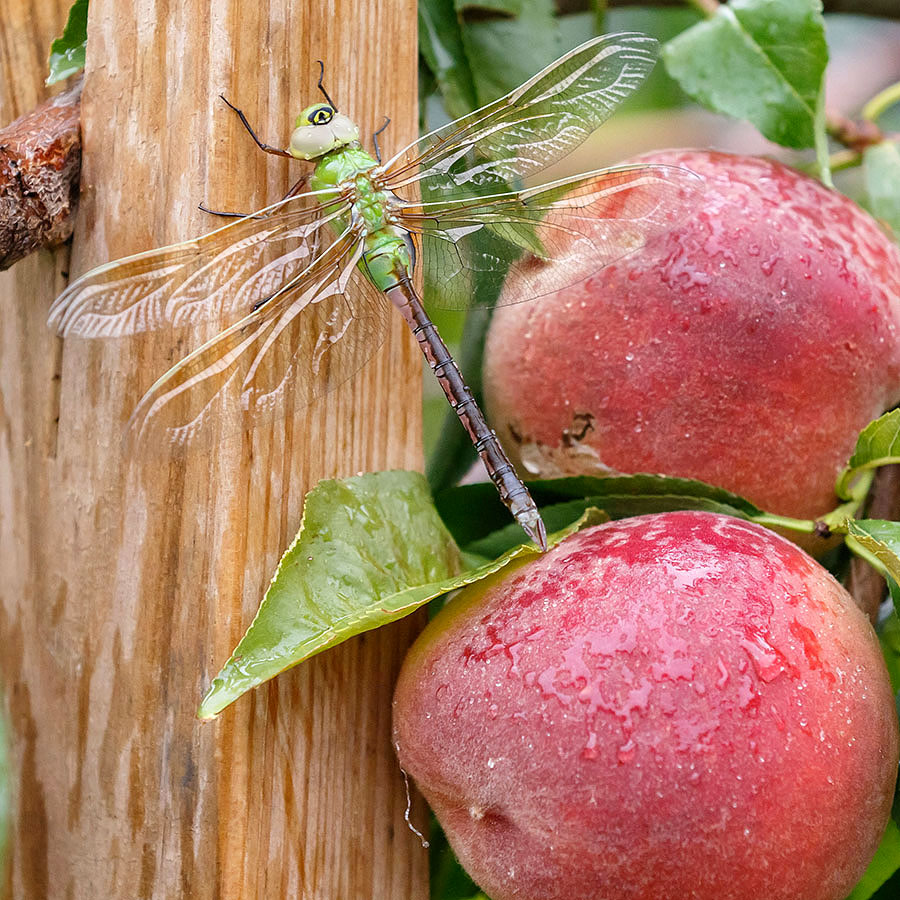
[(125, 585)]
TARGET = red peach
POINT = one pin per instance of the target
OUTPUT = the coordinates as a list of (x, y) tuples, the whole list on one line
[(746, 347), (680, 706)]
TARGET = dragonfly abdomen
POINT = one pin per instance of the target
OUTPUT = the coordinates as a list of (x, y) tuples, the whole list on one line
[(388, 258), (512, 491)]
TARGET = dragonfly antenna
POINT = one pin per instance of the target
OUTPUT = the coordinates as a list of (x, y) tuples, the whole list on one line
[(387, 122), (331, 102)]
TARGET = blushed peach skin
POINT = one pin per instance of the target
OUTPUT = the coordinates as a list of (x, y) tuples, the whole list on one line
[(681, 706), (747, 347)]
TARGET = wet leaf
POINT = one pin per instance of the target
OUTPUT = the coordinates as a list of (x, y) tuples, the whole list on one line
[(448, 880), (889, 636), (557, 518), (367, 550), (564, 499), (67, 51), (370, 550), (878, 444), (879, 538), (760, 60), (881, 170)]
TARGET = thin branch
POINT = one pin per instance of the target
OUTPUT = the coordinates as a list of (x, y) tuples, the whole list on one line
[(40, 162)]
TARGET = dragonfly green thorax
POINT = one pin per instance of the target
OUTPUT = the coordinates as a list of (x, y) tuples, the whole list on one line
[(331, 140)]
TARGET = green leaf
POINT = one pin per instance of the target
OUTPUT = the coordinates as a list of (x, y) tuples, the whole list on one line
[(441, 46), (557, 518), (370, 549), (883, 865), (448, 879), (473, 512), (506, 49), (889, 636), (659, 91), (577, 27), (880, 539), (878, 444), (480, 7), (881, 171), (489, 242), (67, 51), (760, 60)]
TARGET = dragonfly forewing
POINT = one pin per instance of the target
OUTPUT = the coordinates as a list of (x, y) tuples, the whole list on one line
[(214, 279), (537, 124), (594, 219), (308, 338)]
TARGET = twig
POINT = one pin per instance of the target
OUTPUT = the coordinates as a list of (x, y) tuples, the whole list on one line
[(40, 162)]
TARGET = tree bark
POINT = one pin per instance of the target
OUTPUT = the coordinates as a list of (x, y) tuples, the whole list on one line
[(125, 583), (40, 168)]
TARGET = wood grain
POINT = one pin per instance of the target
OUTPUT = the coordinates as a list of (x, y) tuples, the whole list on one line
[(125, 583)]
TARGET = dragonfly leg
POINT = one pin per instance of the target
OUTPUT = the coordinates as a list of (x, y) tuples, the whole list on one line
[(218, 212), (297, 188), (266, 148), (510, 487)]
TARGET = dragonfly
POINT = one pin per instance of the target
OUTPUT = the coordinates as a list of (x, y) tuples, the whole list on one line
[(299, 293)]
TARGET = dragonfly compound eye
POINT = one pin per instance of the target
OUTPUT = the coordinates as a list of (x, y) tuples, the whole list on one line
[(312, 138)]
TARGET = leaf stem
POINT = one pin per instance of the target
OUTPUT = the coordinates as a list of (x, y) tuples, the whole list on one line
[(833, 521), (837, 519), (844, 159), (770, 520), (820, 133), (853, 135), (853, 484), (880, 103)]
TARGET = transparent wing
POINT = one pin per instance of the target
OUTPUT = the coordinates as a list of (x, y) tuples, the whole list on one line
[(308, 338), (217, 278), (590, 220), (537, 124)]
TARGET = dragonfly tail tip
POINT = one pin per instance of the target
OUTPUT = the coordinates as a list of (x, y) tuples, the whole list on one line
[(536, 531)]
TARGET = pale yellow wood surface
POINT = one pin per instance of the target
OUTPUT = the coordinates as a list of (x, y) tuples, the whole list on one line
[(125, 584)]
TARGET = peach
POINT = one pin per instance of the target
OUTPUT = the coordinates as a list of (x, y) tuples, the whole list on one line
[(681, 706), (746, 347)]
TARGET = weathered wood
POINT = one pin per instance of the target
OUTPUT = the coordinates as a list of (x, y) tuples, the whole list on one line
[(125, 583)]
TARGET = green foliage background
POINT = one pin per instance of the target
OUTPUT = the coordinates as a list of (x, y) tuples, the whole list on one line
[(762, 61)]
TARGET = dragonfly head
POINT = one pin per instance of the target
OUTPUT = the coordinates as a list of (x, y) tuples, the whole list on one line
[(320, 129)]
